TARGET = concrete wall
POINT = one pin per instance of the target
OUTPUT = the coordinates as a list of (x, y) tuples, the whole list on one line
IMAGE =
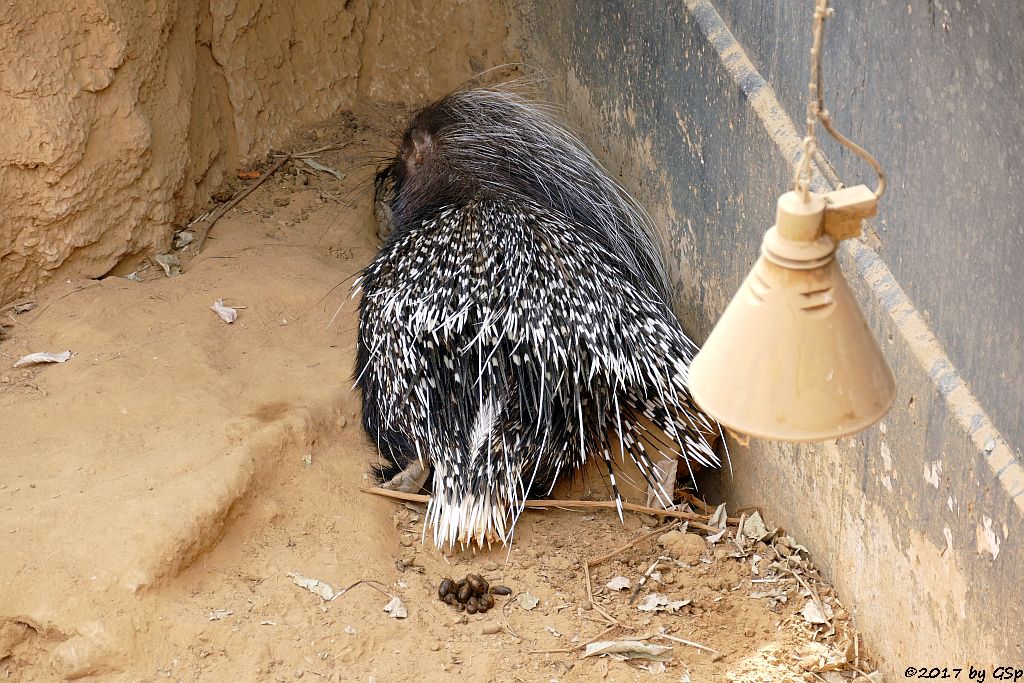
[(918, 520)]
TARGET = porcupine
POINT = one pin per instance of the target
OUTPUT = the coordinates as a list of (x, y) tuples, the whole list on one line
[(515, 323)]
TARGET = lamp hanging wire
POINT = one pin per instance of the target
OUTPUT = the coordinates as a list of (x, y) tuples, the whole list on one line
[(818, 112)]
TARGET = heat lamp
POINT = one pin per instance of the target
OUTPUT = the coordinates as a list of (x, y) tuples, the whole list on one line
[(792, 357)]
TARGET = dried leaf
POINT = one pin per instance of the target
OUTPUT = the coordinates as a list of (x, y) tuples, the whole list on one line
[(249, 175), (183, 238), (812, 614), (218, 614), (527, 601), (619, 583), (659, 602), (630, 649), (226, 313), (656, 668), (715, 538), (396, 609), (660, 494), (321, 588), (315, 165), (754, 528), (43, 357), (720, 518), (820, 658), (170, 263)]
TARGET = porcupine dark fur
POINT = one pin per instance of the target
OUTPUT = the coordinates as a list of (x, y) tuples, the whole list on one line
[(515, 323)]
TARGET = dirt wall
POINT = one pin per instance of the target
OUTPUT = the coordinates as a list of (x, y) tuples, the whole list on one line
[(121, 118)]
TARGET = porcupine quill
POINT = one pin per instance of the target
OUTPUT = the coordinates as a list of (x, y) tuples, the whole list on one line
[(515, 324)]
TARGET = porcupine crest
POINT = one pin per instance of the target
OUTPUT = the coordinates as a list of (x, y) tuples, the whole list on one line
[(515, 322)]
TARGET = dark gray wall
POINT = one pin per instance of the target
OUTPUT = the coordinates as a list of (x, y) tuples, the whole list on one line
[(901, 517), (936, 91)]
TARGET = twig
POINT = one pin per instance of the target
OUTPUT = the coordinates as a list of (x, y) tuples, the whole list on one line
[(604, 558), (593, 603), (318, 150), (814, 596), (692, 517), (690, 643), (39, 311), (567, 650), (694, 500), (368, 582), (608, 556), (204, 226)]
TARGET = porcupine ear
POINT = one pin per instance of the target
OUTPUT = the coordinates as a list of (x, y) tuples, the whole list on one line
[(421, 147)]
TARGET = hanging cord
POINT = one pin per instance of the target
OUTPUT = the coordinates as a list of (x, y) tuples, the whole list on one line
[(817, 112)]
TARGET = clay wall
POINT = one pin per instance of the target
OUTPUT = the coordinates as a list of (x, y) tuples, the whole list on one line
[(121, 118)]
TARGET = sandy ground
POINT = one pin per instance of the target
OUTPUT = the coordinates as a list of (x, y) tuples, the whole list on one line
[(158, 489)]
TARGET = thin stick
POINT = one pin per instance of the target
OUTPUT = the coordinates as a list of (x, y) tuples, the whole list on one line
[(216, 214), (590, 591), (318, 150), (368, 582), (608, 556), (692, 517), (567, 650), (814, 596), (694, 500), (690, 643)]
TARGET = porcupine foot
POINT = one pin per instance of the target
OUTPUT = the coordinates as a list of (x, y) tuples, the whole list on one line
[(412, 479)]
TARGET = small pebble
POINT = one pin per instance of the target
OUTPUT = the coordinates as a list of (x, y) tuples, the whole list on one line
[(491, 629), (281, 201), (299, 673), (586, 605), (435, 646), (489, 567)]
